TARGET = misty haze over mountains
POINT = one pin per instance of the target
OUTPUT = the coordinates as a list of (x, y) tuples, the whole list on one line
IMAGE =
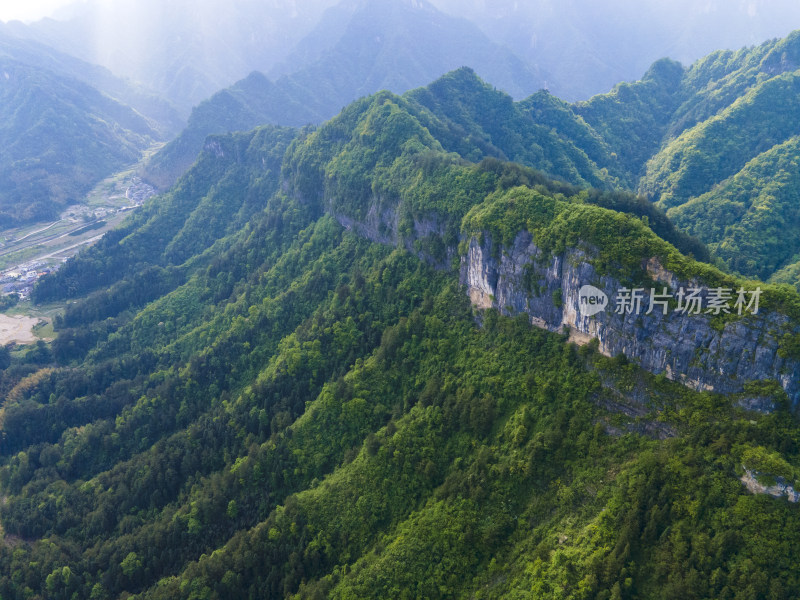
[(589, 47), (226, 66), (357, 49), (186, 51)]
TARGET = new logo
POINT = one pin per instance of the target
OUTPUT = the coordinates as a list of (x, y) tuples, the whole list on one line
[(591, 300)]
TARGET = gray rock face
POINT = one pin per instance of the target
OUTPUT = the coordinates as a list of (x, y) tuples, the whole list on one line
[(758, 404), (778, 490), (382, 225), (685, 347)]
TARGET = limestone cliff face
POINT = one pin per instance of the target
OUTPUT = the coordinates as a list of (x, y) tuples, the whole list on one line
[(382, 225), (686, 348)]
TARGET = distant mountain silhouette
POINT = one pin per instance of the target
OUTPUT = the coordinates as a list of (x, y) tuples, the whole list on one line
[(358, 48)]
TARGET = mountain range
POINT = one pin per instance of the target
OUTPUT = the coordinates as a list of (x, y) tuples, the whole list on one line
[(588, 47), (357, 49), (443, 344), (146, 102), (342, 362), (187, 51), (700, 142), (184, 51)]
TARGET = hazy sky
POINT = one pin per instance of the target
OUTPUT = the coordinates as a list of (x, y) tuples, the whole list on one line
[(30, 10), (587, 45)]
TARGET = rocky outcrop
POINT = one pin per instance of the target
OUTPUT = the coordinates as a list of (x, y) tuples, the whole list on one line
[(382, 225), (779, 489), (758, 404), (689, 348)]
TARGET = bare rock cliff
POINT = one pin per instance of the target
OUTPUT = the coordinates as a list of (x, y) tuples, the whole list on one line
[(689, 348)]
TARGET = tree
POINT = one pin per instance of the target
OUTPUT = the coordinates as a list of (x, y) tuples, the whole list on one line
[(131, 564)]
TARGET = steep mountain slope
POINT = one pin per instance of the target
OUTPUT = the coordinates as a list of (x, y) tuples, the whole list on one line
[(164, 116), (219, 198), (719, 147), (726, 175), (749, 218), (789, 274), (714, 144), (369, 45), (58, 137), (622, 128), (402, 44), (313, 405), (477, 121), (690, 139), (245, 105), (66, 125)]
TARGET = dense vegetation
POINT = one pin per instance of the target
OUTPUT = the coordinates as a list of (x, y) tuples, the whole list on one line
[(729, 173), (748, 217), (248, 400), (714, 144)]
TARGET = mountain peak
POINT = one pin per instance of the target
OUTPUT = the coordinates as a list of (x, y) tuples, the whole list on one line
[(666, 71), (460, 78), (784, 56)]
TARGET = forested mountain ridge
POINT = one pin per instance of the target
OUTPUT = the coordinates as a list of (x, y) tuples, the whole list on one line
[(714, 144), (711, 143), (297, 411), (725, 174)]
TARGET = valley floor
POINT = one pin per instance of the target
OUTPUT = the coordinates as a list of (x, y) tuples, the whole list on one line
[(29, 252), (17, 329)]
